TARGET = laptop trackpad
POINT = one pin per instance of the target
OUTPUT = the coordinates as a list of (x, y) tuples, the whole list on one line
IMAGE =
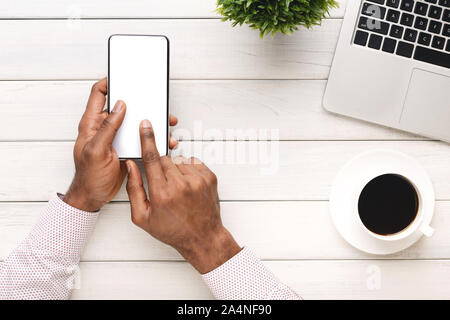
[(427, 105)]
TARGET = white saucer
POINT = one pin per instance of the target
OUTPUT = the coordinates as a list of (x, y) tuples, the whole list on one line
[(346, 189)]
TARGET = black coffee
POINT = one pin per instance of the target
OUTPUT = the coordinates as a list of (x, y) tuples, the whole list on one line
[(388, 204)]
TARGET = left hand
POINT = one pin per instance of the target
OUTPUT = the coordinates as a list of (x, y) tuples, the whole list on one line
[(99, 172)]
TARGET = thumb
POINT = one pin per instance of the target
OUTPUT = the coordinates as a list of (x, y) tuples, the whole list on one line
[(105, 135), (140, 206)]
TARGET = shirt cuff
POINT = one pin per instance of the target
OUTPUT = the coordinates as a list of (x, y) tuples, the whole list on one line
[(62, 230), (245, 277)]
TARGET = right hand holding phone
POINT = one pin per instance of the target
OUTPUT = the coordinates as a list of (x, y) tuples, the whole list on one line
[(183, 208)]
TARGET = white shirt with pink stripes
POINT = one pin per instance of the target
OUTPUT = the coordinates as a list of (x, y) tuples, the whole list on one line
[(45, 264)]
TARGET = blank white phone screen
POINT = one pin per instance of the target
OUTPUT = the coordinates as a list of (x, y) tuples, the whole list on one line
[(138, 75)]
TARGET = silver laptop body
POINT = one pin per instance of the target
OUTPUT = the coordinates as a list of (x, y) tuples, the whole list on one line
[(392, 65)]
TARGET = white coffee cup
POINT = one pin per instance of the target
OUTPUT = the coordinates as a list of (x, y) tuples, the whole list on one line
[(347, 188), (416, 224)]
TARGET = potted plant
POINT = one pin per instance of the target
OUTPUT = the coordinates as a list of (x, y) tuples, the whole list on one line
[(272, 16)]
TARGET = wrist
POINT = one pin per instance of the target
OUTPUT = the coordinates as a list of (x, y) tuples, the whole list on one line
[(213, 251), (80, 200)]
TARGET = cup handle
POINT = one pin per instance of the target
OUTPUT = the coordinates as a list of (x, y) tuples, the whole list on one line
[(427, 230)]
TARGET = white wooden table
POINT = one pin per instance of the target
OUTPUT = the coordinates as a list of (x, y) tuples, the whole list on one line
[(228, 79)]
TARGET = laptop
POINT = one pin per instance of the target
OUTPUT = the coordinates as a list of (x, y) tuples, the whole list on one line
[(392, 65)]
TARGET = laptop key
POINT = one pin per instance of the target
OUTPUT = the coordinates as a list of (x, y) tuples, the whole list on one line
[(405, 49), (361, 37), (396, 31), (435, 27), (431, 1), (407, 19), (435, 12), (421, 23), (393, 15), (446, 30), (410, 35), (373, 10), (373, 25), (389, 45), (375, 41), (446, 16), (392, 3), (438, 42), (432, 56), (421, 8), (424, 39), (377, 1), (444, 3), (447, 48), (407, 5)]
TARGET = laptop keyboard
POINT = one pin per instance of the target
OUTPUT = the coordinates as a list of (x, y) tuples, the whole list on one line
[(411, 29)]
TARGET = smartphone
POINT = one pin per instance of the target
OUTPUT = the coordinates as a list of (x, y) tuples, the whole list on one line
[(138, 74)]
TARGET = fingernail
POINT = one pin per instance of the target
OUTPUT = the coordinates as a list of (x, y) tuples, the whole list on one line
[(146, 124), (118, 106), (174, 143)]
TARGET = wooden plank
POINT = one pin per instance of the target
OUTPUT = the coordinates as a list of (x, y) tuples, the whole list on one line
[(33, 171), (40, 9), (273, 230), (372, 279), (51, 110), (200, 49), (82, 9)]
